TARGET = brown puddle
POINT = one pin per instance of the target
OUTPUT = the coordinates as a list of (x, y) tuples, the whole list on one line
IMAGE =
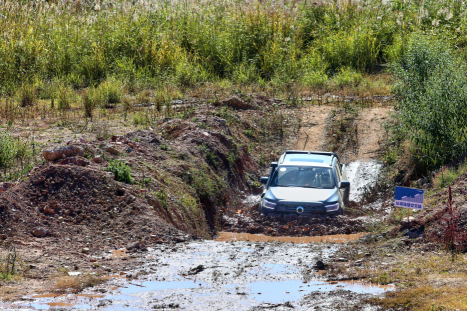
[(118, 253), (49, 295), (60, 304), (338, 238)]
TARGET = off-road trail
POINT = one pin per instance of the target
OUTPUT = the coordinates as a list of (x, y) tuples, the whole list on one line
[(255, 264), (313, 134)]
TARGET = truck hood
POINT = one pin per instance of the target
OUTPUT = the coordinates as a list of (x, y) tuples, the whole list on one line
[(298, 194)]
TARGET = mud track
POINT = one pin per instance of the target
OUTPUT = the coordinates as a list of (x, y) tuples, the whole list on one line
[(192, 178)]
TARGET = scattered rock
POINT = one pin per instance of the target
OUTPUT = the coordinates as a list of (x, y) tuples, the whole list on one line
[(40, 232), (5, 185), (234, 102), (341, 259), (74, 273), (97, 159), (73, 161), (112, 150), (32, 266), (63, 152), (136, 245), (196, 270), (104, 302), (319, 265), (85, 250)]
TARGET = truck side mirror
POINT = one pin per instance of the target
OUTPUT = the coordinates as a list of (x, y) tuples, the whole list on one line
[(344, 184), (264, 180)]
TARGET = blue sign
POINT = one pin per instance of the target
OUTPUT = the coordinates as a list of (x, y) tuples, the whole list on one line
[(409, 198)]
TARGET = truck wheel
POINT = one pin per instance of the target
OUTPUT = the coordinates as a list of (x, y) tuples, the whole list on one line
[(346, 196)]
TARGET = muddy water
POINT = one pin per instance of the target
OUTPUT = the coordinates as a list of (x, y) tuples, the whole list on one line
[(339, 238), (235, 275), (360, 175)]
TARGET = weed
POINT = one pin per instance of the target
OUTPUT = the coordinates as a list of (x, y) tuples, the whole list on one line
[(27, 95), (10, 150), (121, 171), (162, 197), (450, 233), (446, 175), (88, 103), (64, 97), (7, 266)]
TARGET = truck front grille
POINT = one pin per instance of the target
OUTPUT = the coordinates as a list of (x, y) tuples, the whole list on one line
[(291, 207)]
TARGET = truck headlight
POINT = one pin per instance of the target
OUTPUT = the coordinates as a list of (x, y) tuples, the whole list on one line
[(332, 207), (269, 204)]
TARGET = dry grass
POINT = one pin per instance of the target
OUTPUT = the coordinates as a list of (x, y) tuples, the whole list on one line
[(425, 280), (75, 284), (425, 298)]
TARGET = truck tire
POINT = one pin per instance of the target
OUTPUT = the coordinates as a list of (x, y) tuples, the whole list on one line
[(346, 199)]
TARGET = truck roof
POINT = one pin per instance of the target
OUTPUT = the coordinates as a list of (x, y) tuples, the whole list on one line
[(307, 158)]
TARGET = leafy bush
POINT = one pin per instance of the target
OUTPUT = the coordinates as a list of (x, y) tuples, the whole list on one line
[(432, 100), (121, 171)]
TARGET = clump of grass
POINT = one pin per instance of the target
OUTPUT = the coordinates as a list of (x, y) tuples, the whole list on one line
[(75, 284), (64, 97), (162, 197), (89, 101), (27, 95), (446, 176), (11, 149), (110, 92), (347, 76), (121, 171)]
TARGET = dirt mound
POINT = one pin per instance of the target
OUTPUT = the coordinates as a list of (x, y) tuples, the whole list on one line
[(68, 201), (183, 174)]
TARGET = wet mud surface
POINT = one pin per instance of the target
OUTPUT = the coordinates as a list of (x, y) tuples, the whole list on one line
[(241, 275)]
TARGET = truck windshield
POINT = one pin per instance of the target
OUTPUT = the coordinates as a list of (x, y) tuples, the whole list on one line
[(303, 176)]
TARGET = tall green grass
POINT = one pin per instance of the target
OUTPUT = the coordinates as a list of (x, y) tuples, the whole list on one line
[(432, 99), (82, 43)]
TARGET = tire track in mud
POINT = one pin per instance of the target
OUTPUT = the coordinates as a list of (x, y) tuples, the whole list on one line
[(314, 131), (312, 134)]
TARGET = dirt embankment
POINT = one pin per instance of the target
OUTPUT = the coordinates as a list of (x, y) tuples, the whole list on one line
[(186, 173)]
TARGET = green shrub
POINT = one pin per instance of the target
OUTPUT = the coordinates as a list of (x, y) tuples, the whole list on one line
[(432, 100), (121, 171)]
